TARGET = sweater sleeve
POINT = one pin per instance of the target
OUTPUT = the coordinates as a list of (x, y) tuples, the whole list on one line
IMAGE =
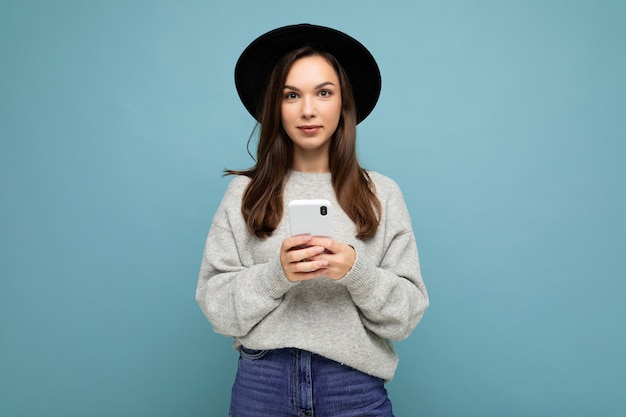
[(233, 295), (390, 294)]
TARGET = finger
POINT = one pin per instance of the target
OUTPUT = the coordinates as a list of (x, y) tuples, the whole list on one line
[(329, 244), (308, 253), (312, 266), (302, 271), (294, 241), (305, 276), (302, 255)]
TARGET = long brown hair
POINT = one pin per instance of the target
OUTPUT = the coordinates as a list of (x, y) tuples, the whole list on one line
[(262, 203)]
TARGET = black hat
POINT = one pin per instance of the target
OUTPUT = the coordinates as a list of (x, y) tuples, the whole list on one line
[(258, 60)]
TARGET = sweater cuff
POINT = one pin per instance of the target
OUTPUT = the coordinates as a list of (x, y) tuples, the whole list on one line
[(361, 279), (274, 282)]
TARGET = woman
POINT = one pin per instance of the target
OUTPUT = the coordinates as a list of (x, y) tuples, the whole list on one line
[(312, 318)]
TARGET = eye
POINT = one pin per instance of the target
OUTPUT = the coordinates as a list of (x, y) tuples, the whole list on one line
[(290, 96), (325, 93)]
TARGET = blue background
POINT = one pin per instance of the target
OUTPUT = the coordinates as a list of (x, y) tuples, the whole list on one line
[(503, 122)]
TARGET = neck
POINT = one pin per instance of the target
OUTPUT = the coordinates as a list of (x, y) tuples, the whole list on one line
[(311, 162)]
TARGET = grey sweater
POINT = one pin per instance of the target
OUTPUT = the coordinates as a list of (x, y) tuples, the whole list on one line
[(245, 294)]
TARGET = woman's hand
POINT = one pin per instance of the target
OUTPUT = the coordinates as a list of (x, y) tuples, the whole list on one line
[(304, 257)]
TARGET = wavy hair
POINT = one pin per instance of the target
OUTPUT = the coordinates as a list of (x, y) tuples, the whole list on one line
[(262, 202)]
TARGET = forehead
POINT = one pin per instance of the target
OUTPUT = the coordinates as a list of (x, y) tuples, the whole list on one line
[(314, 68)]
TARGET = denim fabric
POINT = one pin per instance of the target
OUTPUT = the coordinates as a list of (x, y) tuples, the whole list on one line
[(297, 383)]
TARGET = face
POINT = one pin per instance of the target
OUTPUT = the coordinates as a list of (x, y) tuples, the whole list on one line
[(311, 105)]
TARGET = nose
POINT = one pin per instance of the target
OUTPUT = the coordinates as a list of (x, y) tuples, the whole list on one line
[(308, 107)]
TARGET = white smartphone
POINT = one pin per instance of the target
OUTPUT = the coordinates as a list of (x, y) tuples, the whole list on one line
[(313, 217)]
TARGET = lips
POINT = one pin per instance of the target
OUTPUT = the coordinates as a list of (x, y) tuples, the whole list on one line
[(309, 129)]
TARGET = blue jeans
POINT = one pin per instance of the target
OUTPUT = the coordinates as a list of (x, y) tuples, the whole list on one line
[(297, 383)]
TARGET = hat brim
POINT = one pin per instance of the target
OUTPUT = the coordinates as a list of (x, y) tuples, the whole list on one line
[(258, 60)]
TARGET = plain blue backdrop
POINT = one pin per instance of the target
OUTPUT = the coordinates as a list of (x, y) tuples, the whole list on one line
[(502, 121)]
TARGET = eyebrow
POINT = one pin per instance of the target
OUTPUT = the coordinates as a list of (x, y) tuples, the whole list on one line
[(324, 84)]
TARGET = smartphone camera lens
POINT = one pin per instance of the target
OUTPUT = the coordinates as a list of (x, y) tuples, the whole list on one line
[(323, 210)]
